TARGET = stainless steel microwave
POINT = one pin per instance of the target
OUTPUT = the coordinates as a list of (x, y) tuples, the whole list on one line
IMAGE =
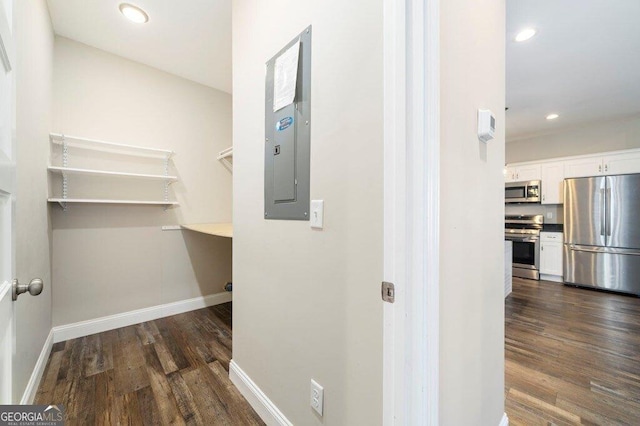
[(522, 192)]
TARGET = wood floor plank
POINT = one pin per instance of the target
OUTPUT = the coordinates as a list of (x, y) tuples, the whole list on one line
[(164, 356), (171, 371), (146, 333), (149, 411), (184, 398), (572, 355), (129, 410), (84, 409), (106, 407), (129, 363), (161, 390), (98, 355), (184, 338), (48, 383), (232, 396), (175, 350), (57, 347), (205, 398)]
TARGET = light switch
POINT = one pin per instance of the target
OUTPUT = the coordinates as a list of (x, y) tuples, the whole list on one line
[(317, 213)]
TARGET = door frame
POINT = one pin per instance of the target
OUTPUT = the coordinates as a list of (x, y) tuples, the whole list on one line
[(8, 172), (411, 211)]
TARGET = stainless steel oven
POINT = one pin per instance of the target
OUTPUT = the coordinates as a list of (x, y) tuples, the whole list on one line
[(524, 232), (522, 192)]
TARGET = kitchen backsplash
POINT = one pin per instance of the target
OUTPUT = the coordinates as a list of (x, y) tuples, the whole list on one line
[(552, 212)]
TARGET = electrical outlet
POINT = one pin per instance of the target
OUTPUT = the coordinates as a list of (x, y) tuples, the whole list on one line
[(549, 215), (317, 396)]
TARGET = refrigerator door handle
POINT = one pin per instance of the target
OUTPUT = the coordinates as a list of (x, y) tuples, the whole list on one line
[(604, 250), (602, 212), (608, 212)]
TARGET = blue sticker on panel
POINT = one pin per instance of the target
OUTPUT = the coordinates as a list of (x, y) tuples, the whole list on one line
[(284, 123)]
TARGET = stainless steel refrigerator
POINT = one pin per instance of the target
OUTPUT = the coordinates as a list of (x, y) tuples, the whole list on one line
[(602, 232)]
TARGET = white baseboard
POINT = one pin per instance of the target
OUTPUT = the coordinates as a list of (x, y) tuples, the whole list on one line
[(505, 420), (266, 409), (32, 386), (98, 325), (554, 278)]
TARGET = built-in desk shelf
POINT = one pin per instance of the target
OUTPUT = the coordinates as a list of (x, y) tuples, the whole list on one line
[(66, 142), (217, 229)]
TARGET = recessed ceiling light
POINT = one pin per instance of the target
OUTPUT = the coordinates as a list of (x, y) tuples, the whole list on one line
[(134, 13), (525, 34), (552, 116)]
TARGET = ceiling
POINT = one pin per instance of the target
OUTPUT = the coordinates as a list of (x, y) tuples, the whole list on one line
[(583, 64), (191, 39)]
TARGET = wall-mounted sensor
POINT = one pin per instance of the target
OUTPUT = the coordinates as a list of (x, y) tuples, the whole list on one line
[(486, 125)]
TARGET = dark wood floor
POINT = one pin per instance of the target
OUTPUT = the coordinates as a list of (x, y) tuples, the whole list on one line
[(572, 356), (169, 371)]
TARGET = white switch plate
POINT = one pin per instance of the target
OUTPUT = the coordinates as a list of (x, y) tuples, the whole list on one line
[(317, 396), (549, 215), (317, 214)]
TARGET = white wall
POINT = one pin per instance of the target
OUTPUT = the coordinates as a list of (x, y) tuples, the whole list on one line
[(471, 214), (34, 48), (306, 302), (588, 139), (112, 259)]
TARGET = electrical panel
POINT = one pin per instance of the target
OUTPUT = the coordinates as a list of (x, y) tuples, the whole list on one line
[(288, 131)]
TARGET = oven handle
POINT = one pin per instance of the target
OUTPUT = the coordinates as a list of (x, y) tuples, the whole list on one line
[(523, 240)]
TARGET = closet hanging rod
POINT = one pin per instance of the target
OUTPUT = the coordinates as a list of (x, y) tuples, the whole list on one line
[(59, 138), (225, 153)]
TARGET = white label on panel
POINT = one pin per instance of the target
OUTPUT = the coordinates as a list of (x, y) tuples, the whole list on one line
[(285, 77)]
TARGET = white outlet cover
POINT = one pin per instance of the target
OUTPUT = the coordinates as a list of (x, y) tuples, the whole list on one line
[(317, 396), (317, 214)]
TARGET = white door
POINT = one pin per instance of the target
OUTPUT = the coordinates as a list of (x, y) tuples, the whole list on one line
[(7, 200)]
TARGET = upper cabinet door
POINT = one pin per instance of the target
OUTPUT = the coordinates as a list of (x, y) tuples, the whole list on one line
[(529, 172), (509, 174), (583, 167), (621, 164), (522, 173), (552, 176)]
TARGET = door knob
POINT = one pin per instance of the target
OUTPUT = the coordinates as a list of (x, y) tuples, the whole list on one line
[(34, 288)]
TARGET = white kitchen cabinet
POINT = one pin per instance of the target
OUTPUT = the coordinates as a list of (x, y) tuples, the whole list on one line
[(551, 246), (583, 167), (619, 164), (522, 173), (605, 164), (552, 177)]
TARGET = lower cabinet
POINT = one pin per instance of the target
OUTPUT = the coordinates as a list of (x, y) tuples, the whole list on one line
[(551, 256)]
